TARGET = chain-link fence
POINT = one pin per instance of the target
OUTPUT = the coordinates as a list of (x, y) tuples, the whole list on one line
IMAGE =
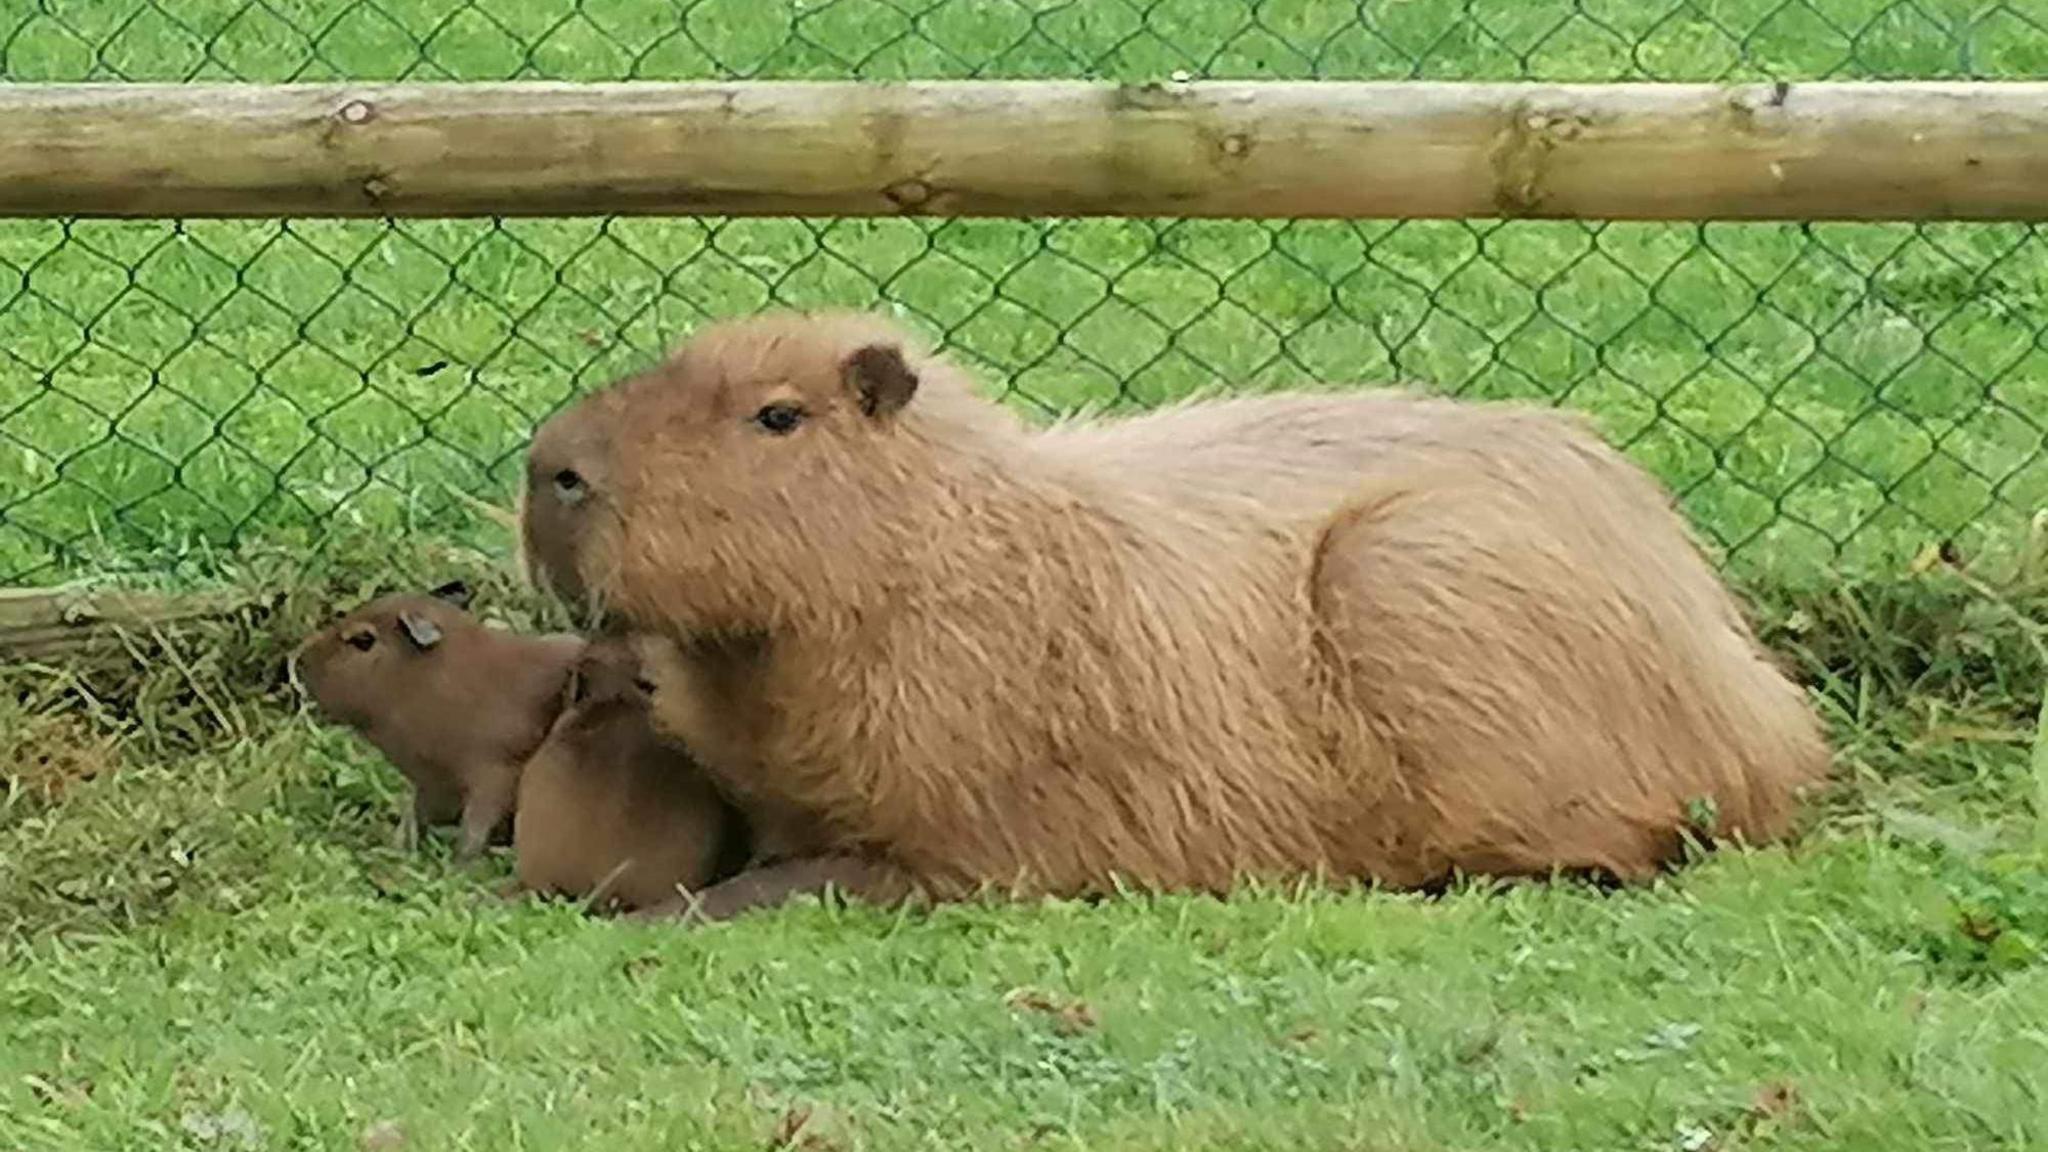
[(1817, 394)]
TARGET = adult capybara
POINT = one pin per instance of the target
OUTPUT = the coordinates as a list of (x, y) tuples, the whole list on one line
[(1364, 634), (610, 812), (456, 706)]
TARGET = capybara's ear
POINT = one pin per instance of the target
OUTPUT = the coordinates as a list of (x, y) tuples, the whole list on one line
[(881, 378), (423, 633), (455, 592)]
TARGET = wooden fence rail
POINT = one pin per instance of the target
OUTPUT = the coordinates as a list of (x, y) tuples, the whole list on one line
[(1822, 151)]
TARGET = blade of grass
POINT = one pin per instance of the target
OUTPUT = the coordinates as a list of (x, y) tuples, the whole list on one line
[(2040, 771)]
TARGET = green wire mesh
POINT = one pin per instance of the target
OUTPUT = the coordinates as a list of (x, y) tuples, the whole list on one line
[(1817, 394)]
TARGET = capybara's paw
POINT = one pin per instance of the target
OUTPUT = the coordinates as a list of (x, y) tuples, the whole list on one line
[(677, 696)]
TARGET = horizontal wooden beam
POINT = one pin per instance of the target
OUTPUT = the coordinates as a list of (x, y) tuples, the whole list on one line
[(1823, 151), (50, 625)]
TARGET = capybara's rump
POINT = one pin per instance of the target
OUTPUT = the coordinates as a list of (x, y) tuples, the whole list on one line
[(1561, 685)]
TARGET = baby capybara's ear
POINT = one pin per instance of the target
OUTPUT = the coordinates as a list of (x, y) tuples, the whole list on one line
[(421, 631), (455, 592), (881, 379)]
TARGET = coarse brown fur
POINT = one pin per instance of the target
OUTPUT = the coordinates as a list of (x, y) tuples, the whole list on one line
[(1363, 634), (608, 811), (456, 706)]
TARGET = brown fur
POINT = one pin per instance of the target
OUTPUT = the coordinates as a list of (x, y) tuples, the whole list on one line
[(1362, 634), (606, 810), (456, 706)]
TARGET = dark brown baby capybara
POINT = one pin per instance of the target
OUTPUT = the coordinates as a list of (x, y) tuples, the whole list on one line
[(456, 706), (1364, 634), (607, 810)]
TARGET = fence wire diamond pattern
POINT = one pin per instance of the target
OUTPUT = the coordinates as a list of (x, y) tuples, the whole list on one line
[(1817, 394)]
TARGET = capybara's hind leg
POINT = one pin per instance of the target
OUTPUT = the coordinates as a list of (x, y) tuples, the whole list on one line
[(1507, 684)]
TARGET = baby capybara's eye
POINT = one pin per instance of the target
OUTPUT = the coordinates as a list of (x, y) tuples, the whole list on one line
[(362, 641), (780, 419), (569, 485)]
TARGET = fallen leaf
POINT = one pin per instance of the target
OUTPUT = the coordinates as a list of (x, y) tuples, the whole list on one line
[(1775, 1100), (802, 1127), (1069, 1017), (790, 1126), (1982, 929), (383, 1136)]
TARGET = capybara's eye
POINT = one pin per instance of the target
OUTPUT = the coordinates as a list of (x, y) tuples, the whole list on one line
[(362, 640), (644, 685), (780, 419), (569, 486)]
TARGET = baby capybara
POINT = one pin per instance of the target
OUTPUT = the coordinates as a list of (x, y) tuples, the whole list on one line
[(607, 811), (456, 706), (1363, 634)]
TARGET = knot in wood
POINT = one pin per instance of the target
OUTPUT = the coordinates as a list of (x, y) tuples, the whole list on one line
[(909, 194)]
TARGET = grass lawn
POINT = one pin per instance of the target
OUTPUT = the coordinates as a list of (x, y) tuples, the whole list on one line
[(206, 940)]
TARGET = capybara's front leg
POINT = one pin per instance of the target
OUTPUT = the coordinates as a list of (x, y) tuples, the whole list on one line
[(407, 838), (868, 880), (433, 803), (485, 807)]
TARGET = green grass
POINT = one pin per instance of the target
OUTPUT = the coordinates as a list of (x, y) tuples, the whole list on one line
[(205, 933), (206, 940)]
